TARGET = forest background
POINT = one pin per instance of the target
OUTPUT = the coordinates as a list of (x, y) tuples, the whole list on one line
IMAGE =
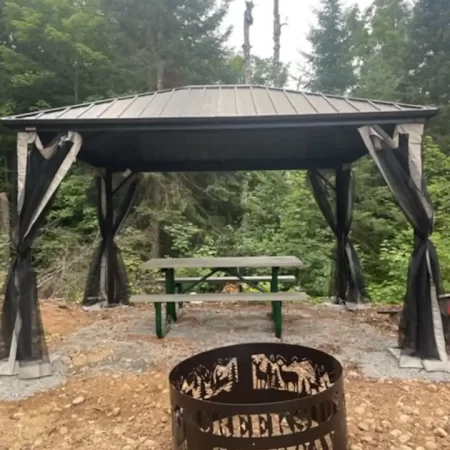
[(59, 52)]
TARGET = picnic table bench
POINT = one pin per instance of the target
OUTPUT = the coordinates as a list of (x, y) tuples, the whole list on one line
[(177, 289)]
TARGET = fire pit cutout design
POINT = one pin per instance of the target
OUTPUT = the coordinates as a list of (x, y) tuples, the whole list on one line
[(259, 396)]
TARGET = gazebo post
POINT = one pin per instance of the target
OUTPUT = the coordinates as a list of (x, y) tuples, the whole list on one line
[(109, 236), (107, 282), (40, 171), (425, 320), (341, 191), (348, 281)]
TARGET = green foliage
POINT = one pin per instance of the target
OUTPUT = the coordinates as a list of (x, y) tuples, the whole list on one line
[(331, 60), (263, 71), (381, 48), (428, 60), (168, 43)]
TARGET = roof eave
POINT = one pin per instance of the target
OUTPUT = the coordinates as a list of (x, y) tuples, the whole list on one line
[(224, 122)]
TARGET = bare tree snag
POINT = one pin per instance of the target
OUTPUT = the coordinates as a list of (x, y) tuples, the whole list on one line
[(248, 22), (277, 26)]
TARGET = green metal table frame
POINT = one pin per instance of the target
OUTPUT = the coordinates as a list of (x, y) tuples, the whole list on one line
[(172, 287)]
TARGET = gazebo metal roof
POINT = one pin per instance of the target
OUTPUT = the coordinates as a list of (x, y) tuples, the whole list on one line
[(221, 127)]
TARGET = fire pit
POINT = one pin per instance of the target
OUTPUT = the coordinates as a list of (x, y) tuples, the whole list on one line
[(259, 396)]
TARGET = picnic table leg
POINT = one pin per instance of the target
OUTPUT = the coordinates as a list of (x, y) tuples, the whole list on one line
[(159, 320), (179, 290), (276, 305), (171, 308)]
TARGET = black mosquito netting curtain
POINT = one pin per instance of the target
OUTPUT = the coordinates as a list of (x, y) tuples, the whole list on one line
[(107, 282), (348, 279), (40, 170), (425, 319)]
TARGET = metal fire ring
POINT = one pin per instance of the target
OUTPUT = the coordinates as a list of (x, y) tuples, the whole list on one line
[(259, 396)]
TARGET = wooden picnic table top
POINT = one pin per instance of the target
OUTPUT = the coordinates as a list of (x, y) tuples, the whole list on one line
[(226, 262)]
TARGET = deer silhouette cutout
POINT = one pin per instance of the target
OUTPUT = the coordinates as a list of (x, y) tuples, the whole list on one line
[(262, 376), (289, 378)]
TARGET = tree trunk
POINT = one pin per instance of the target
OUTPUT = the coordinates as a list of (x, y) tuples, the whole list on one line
[(277, 25), (248, 22), (276, 41)]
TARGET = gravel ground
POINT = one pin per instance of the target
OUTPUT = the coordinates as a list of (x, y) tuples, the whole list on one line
[(129, 345)]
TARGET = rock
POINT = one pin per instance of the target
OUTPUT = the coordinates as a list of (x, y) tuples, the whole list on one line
[(404, 418), (38, 442), (430, 446), (386, 423), (428, 422), (420, 448), (439, 412), (363, 426), (117, 431), (404, 438), (78, 401), (150, 444), (116, 412), (360, 410), (355, 447), (408, 410), (396, 433), (440, 432), (405, 447), (379, 429), (63, 431)]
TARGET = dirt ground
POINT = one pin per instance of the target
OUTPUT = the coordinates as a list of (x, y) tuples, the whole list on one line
[(129, 411)]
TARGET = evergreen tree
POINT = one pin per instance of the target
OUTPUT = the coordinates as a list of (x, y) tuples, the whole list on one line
[(428, 55), (428, 63), (381, 71), (331, 61), (169, 43), (55, 53)]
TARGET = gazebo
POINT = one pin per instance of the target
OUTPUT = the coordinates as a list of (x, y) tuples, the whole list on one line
[(220, 128)]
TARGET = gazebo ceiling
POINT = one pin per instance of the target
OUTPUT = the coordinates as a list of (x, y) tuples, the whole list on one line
[(222, 127)]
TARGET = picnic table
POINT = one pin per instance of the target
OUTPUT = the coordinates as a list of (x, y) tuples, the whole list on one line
[(179, 290)]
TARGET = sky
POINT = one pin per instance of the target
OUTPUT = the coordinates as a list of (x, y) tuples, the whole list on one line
[(300, 17)]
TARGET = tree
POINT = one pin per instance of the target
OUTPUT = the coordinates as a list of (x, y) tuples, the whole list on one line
[(427, 63), (55, 53), (330, 61), (169, 43), (268, 72), (428, 57), (248, 22), (277, 70), (381, 49)]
